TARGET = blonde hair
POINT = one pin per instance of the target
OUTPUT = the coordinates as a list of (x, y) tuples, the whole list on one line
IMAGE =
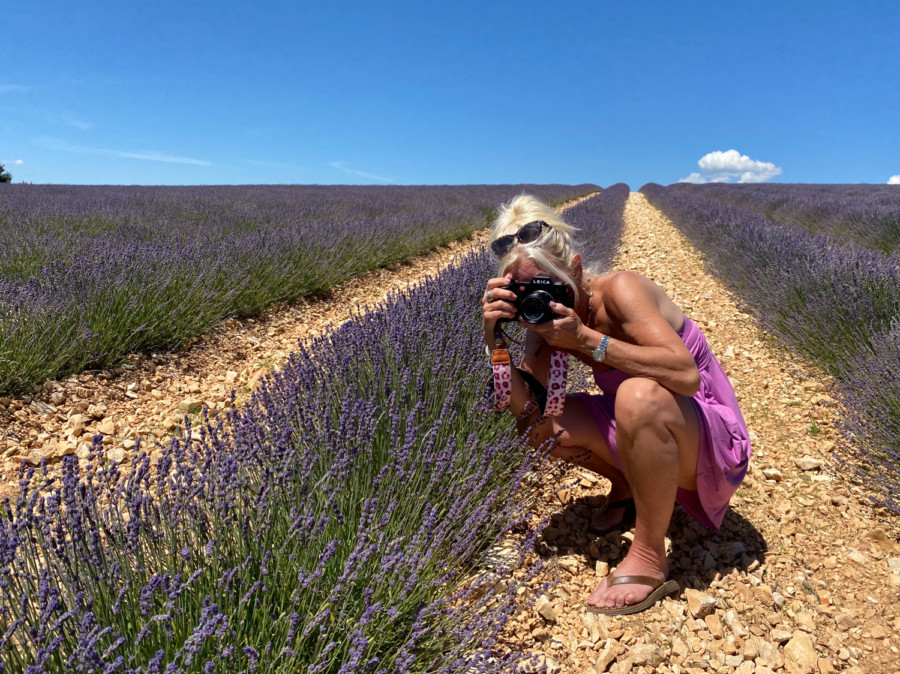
[(552, 251)]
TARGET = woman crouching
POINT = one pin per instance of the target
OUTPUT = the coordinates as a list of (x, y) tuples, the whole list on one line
[(667, 426)]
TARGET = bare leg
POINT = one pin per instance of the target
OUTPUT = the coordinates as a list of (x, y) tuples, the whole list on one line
[(657, 438), (580, 443)]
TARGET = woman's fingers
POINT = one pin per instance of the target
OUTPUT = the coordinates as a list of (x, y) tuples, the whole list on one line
[(495, 290)]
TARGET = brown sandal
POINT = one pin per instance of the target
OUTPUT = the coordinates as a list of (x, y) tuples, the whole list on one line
[(660, 589), (624, 524)]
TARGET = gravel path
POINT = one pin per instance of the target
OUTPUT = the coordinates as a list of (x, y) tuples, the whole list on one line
[(803, 577)]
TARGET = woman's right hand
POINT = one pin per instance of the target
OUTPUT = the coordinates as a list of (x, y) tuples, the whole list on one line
[(496, 303)]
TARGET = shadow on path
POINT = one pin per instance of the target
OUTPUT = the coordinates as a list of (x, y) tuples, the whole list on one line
[(697, 554)]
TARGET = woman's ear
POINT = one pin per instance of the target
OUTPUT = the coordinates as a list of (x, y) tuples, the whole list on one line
[(577, 271)]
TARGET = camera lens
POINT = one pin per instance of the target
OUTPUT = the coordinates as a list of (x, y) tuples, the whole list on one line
[(535, 308)]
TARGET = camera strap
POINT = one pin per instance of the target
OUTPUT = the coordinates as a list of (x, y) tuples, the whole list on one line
[(556, 384), (501, 364)]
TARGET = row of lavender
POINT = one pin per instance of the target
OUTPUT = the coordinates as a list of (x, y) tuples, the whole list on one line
[(91, 274), (868, 215), (331, 525), (838, 305)]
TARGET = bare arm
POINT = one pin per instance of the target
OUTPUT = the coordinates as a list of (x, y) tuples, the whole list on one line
[(645, 345)]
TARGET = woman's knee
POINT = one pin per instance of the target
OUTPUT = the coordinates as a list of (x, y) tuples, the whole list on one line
[(642, 403)]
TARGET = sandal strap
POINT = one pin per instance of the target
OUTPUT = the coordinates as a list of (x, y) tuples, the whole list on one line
[(636, 580)]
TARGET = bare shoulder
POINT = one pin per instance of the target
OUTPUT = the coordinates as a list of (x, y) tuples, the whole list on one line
[(627, 286), (629, 296)]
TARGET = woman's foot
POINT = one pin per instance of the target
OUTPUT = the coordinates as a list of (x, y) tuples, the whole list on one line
[(636, 563), (617, 513)]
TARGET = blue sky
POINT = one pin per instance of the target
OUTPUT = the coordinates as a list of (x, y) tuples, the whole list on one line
[(219, 92)]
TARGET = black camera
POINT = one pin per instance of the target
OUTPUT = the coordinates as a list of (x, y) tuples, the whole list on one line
[(533, 298)]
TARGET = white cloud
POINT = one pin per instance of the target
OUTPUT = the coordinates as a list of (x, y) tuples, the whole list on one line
[(894, 180), (342, 165), (732, 166), (695, 178), (19, 162), (148, 155)]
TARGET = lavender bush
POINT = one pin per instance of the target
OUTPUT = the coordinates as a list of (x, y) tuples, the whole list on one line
[(91, 274), (333, 524), (838, 305), (868, 215)]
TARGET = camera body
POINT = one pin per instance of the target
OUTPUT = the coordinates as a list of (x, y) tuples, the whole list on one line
[(533, 298)]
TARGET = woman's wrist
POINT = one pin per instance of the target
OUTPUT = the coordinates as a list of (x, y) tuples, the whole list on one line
[(589, 339)]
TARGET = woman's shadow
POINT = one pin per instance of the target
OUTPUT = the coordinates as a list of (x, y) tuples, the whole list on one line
[(697, 555)]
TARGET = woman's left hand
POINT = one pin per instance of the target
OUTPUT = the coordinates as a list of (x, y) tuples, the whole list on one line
[(566, 331)]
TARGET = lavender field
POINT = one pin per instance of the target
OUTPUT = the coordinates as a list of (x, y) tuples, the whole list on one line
[(836, 303), (867, 215), (333, 524), (91, 274)]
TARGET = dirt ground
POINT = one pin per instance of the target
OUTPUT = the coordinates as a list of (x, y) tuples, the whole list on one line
[(803, 577)]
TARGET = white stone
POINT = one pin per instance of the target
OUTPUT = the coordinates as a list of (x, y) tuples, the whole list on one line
[(800, 654)]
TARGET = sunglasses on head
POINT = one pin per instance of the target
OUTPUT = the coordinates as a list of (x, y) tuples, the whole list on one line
[(526, 234)]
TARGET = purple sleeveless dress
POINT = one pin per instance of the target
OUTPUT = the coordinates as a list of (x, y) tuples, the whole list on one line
[(724, 451)]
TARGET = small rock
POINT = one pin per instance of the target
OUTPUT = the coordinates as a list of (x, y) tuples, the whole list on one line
[(64, 448), (780, 635), (772, 474), (190, 405), (116, 454), (541, 634), (57, 397), (107, 427), (715, 626), (606, 656), (601, 569), (800, 655), (551, 665), (769, 656), (746, 667), (646, 654), (622, 667), (805, 622), (78, 421), (82, 392), (826, 667), (857, 556), (808, 463), (97, 411), (570, 564), (894, 563), (845, 621), (764, 595), (544, 608), (699, 603), (35, 456)]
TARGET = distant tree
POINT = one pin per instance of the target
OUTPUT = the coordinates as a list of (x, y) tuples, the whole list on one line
[(4, 176)]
